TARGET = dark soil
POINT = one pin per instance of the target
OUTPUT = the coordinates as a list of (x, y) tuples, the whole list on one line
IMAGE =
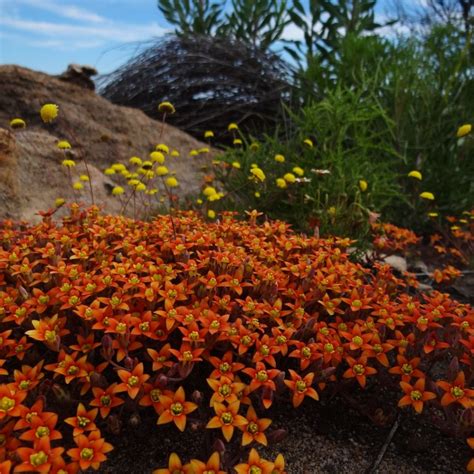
[(327, 437)]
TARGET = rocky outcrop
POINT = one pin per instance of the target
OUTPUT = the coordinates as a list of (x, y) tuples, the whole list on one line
[(31, 175)]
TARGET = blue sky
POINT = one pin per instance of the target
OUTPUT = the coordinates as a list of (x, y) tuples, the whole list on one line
[(47, 35)]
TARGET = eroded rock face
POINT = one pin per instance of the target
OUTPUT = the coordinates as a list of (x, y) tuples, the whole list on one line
[(31, 177)]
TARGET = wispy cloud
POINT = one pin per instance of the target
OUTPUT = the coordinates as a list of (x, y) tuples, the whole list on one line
[(71, 12), (111, 31)]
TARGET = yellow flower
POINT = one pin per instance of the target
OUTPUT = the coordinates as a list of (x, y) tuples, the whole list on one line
[(162, 147), (232, 126), (166, 108), (78, 186), (117, 190), (464, 130), (49, 112), (135, 160), (209, 191), (298, 171), (133, 182), (157, 157), (17, 123), (211, 214), (126, 174), (332, 211), (281, 183), (433, 214), (216, 162), (254, 146), (140, 187), (280, 158), (308, 143), (193, 153), (363, 185), (118, 167), (58, 202), (257, 194), (236, 164), (162, 171), (208, 134), (172, 182), (147, 165), (68, 163), (214, 197), (415, 174), (84, 177), (175, 153), (237, 142), (253, 165), (63, 145), (203, 150), (199, 201), (258, 173), (150, 174), (289, 178), (427, 195)]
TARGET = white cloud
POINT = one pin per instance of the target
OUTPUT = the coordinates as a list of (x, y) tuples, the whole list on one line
[(111, 31), (61, 9)]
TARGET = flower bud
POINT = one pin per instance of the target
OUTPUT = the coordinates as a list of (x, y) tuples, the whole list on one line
[(276, 436)]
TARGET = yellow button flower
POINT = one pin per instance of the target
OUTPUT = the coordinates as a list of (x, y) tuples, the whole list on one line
[(280, 158), (84, 177), (162, 147), (427, 195), (298, 171), (209, 191), (433, 214), (157, 157), (63, 145), (58, 202), (175, 153), (254, 146), (236, 165), (415, 174), (211, 214), (49, 112), (257, 194), (289, 178), (258, 173), (162, 171), (78, 186), (68, 163), (135, 160), (281, 183), (193, 153), (172, 182), (237, 142), (208, 134), (308, 143), (17, 123), (464, 130), (363, 185), (166, 108), (117, 190), (232, 126), (118, 167)]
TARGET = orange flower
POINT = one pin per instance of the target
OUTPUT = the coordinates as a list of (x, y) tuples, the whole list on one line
[(261, 377), (91, 450), (38, 459), (415, 395), (42, 428), (359, 369), (176, 409), (105, 399), (254, 429), (456, 392), (407, 368), (160, 358), (10, 401), (255, 465), (175, 466), (211, 466), (227, 418), (301, 387), (83, 421), (279, 467), (225, 390), (132, 381)]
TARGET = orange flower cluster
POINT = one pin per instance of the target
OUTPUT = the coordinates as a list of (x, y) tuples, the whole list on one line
[(130, 316), (389, 238)]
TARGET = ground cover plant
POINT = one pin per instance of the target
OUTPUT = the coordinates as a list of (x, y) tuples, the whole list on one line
[(206, 326)]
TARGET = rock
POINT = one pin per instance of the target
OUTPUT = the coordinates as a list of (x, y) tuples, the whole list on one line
[(31, 175), (396, 262), (79, 75)]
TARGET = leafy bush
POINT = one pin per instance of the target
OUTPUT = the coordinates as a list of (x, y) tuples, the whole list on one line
[(105, 317)]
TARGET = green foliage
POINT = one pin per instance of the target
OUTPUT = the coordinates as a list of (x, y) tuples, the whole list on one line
[(352, 138), (200, 17)]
